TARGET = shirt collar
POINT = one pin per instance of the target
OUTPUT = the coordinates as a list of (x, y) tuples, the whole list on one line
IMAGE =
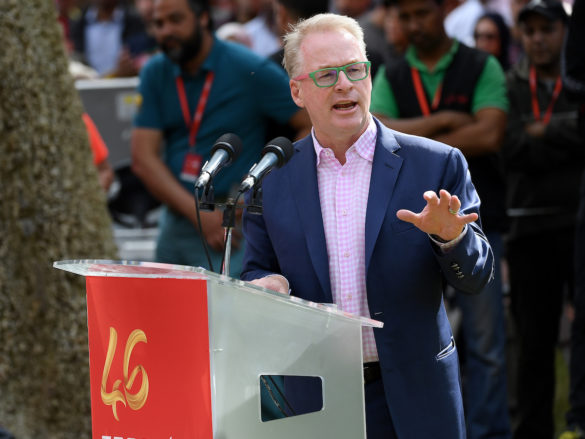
[(92, 15), (443, 63), (364, 146)]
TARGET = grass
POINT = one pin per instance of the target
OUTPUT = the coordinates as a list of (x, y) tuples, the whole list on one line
[(561, 403)]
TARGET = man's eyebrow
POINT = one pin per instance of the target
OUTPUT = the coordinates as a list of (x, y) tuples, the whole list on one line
[(329, 66)]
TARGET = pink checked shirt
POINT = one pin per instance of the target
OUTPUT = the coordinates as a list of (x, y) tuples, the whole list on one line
[(343, 191)]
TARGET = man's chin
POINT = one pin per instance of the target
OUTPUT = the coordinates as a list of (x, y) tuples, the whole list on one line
[(175, 55)]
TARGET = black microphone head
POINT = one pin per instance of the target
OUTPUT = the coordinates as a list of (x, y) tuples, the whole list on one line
[(230, 143), (282, 148)]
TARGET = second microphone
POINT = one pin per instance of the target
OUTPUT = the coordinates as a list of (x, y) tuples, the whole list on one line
[(275, 154)]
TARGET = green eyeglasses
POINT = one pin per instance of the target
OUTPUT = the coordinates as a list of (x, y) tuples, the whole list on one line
[(327, 77)]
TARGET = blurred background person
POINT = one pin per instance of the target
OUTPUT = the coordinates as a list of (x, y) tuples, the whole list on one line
[(393, 32), (108, 36), (491, 34), (258, 19), (352, 8), (460, 22), (223, 11), (244, 91), (236, 32), (574, 78), (544, 158), (147, 47), (516, 48)]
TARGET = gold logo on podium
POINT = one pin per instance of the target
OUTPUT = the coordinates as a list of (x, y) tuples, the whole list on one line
[(115, 396)]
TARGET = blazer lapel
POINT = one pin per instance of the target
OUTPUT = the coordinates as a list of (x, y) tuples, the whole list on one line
[(385, 169), (303, 180)]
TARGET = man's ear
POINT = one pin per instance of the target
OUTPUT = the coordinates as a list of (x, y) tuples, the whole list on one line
[(295, 92)]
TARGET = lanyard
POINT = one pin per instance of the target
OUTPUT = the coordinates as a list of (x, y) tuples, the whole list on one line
[(553, 99), (193, 127), (422, 97)]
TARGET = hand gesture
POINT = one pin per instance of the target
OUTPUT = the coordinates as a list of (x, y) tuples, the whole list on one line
[(440, 216)]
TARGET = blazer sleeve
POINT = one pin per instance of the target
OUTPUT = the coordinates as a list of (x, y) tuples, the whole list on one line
[(469, 265), (259, 258)]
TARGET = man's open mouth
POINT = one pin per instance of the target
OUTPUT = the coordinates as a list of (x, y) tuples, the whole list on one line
[(345, 105)]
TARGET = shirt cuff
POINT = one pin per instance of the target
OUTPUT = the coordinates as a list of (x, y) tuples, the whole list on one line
[(447, 245)]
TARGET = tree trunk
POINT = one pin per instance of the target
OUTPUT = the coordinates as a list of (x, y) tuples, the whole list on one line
[(51, 208)]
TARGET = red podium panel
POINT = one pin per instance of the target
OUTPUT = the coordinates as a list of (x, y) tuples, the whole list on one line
[(149, 358)]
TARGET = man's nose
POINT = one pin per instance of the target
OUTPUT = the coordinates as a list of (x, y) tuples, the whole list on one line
[(411, 25), (538, 37), (162, 30), (343, 81)]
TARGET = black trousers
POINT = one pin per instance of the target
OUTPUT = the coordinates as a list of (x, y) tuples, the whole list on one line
[(541, 268), (576, 414)]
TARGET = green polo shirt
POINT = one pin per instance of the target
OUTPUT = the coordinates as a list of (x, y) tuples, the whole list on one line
[(490, 90)]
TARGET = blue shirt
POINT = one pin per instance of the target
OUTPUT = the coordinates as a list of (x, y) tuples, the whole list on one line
[(103, 40), (246, 91)]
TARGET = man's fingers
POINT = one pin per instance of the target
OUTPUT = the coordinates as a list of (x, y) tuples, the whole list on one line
[(469, 218), (431, 198), (407, 215), (454, 204), (444, 195)]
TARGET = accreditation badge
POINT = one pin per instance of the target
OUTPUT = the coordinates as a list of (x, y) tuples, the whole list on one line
[(191, 167)]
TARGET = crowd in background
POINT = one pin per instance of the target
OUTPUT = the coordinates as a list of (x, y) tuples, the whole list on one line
[(512, 116), (123, 30)]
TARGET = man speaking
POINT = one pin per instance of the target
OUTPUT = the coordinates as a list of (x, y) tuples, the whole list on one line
[(375, 221)]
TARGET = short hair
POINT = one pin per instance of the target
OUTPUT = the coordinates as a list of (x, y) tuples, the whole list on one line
[(304, 8), (317, 23), (504, 34), (199, 7)]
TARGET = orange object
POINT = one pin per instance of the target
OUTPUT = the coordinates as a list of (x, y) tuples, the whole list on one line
[(98, 146)]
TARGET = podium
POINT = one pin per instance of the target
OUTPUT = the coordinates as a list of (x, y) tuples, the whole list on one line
[(180, 352)]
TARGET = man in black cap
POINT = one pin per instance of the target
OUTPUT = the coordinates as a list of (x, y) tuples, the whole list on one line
[(544, 157)]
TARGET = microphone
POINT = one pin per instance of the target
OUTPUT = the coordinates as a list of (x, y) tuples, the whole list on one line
[(275, 154), (226, 150)]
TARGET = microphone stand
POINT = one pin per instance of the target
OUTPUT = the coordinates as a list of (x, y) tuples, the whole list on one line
[(255, 205), (229, 222), (207, 201)]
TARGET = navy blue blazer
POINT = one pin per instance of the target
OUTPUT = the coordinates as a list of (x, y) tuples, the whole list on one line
[(405, 271)]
